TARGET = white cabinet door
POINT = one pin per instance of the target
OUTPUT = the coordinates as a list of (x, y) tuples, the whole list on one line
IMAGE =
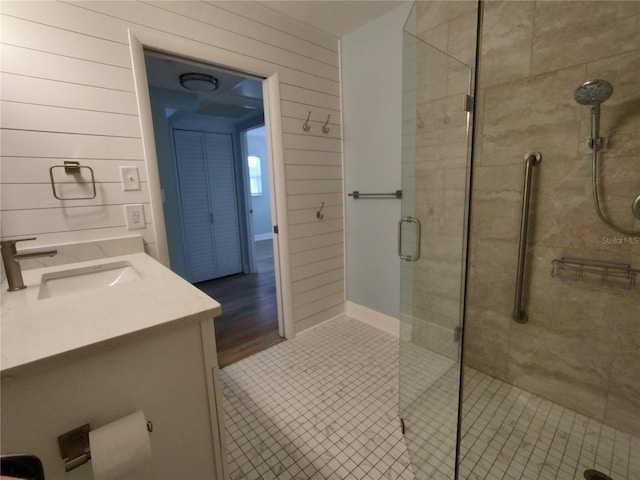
[(209, 212)]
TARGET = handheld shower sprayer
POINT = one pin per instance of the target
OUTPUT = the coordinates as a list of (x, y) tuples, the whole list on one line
[(594, 93)]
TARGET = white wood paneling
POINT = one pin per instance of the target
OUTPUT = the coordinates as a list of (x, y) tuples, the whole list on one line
[(266, 16), (39, 91), (318, 241), (318, 294), (156, 17), (232, 22), (310, 97), (309, 215), (309, 309), (22, 143), (43, 38), (310, 142), (311, 283), (68, 92), (36, 170), (53, 220), (317, 255), (27, 196), (314, 200), (298, 172), (306, 157), (294, 125), (36, 64), (300, 110), (316, 268), (313, 229), (305, 187), (68, 17), (25, 116)]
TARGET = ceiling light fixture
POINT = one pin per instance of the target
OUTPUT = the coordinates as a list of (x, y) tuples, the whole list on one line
[(200, 82)]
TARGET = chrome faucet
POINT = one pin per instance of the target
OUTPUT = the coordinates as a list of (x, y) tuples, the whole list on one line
[(11, 259)]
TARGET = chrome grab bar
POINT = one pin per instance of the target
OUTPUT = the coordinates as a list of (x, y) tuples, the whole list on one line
[(410, 258), (531, 160)]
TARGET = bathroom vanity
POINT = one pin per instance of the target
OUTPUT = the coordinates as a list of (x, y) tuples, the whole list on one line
[(91, 342)]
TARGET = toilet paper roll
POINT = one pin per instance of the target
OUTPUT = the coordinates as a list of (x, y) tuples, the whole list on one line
[(119, 447)]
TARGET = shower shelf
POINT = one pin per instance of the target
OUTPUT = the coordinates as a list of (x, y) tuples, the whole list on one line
[(611, 274)]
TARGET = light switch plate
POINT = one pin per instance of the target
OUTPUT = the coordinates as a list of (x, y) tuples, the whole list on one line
[(130, 178), (135, 216)]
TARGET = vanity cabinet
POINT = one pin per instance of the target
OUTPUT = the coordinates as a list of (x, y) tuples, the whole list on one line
[(159, 360)]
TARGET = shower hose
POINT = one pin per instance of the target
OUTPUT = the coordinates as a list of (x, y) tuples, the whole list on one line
[(596, 198)]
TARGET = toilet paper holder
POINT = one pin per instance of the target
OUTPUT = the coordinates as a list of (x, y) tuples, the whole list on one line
[(74, 446)]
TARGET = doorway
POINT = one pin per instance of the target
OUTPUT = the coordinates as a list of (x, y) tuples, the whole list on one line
[(211, 167)]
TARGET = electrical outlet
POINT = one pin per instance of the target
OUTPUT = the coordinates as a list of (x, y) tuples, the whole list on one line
[(135, 216), (130, 178)]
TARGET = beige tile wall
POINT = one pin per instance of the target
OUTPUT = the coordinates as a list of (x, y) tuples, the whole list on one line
[(435, 166), (581, 346)]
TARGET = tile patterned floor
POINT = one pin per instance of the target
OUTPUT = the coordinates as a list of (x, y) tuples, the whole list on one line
[(325, 406)]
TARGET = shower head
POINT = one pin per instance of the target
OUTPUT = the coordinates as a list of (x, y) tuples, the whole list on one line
[(593, 92)]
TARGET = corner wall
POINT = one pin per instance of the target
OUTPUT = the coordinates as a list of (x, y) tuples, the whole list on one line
[(371, 59)]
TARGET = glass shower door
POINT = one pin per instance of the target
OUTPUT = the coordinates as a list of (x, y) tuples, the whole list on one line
[(432, 245)]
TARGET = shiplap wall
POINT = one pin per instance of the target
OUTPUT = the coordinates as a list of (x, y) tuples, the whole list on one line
[(68, 93)]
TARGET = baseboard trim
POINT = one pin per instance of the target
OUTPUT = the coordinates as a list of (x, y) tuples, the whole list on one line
[(381, 321), (323, 322)]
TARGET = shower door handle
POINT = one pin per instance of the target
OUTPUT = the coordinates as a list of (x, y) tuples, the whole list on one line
[(416, 256)]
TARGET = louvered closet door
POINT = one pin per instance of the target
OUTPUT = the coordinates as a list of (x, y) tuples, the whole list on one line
[(199, 245), (222, 182)]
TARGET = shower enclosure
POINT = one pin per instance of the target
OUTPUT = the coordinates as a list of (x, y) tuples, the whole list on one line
[(481, 395)]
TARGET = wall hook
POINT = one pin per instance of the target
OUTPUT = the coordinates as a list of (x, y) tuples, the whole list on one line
[(325, 128), (305, 126), (319, 214), (420, 122)]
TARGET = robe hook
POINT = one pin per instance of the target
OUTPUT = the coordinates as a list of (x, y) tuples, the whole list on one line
[(325, 128), (319, 214), (305, 126)]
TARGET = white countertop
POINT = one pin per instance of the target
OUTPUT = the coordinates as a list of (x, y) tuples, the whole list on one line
[(33, 329)]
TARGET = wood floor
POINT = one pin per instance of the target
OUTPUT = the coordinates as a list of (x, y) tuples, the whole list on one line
[(249, 320)]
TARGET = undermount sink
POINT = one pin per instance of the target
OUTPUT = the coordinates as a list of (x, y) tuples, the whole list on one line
[(75, 280)]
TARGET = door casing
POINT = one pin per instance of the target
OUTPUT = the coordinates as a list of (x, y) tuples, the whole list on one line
[(139, 40)]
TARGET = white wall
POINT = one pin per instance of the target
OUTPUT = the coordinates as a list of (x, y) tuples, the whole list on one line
[(68, 92), (371, 59)]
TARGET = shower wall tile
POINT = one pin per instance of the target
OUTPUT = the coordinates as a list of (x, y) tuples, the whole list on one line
[(461, 44), (506, 52), (622, 111), (487, 340), (492, 275), (437, 36), (581, 346), (497, 202), (572, 33), (534, 114), (620, 313), (431, 14), (624, 392), (574, 371)]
